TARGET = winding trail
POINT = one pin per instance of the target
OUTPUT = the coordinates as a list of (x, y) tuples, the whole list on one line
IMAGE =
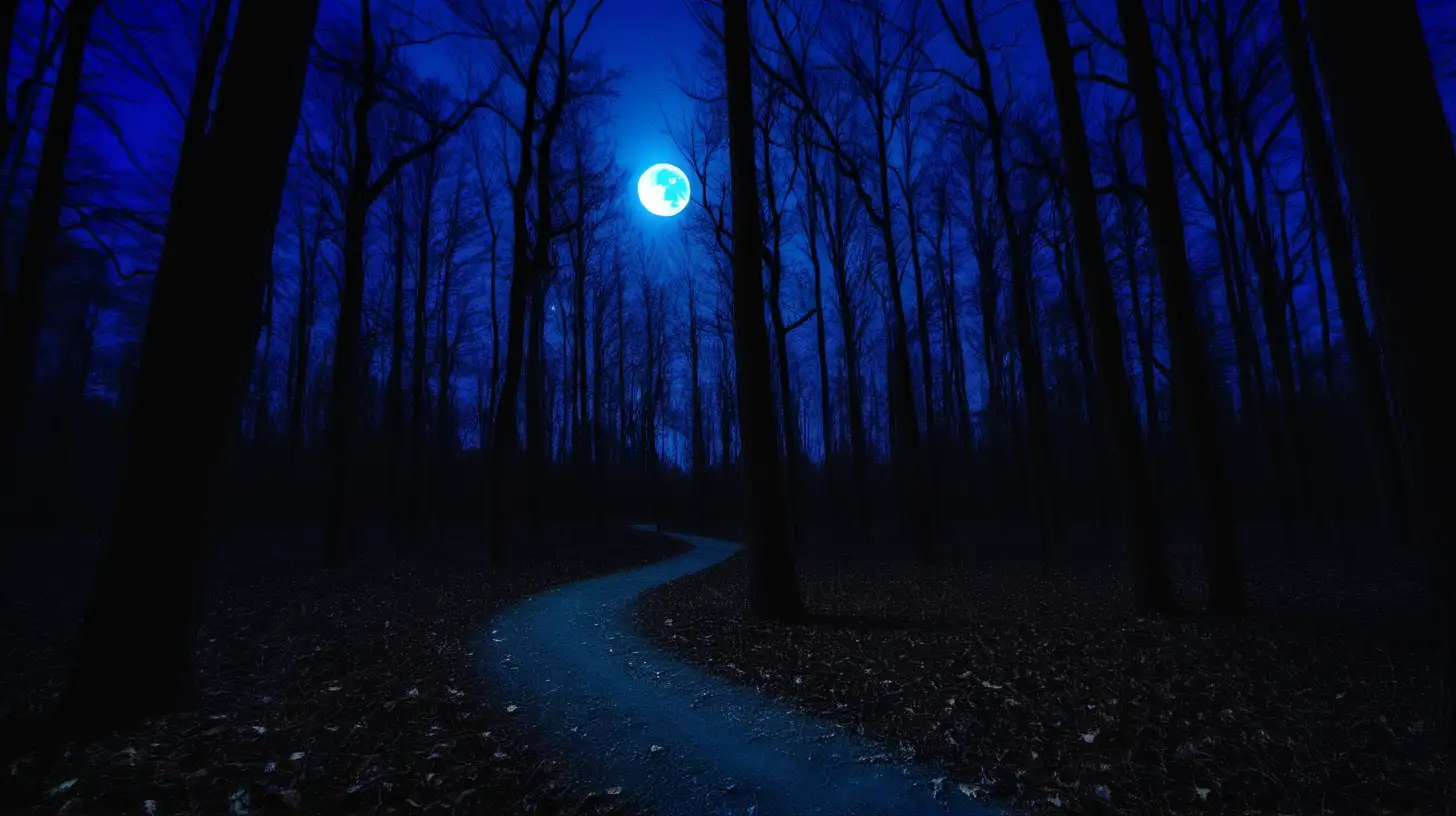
[(677, 741)]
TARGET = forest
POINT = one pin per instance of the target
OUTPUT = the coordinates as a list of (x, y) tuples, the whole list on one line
[(994, 330)]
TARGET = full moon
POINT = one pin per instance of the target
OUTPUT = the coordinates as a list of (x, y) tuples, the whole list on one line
[(664, 190)]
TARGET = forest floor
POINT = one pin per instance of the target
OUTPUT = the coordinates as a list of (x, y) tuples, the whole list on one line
[(1050, 692), (343, 692)]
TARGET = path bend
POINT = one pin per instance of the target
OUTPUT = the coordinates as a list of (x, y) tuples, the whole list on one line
[(678, 741)]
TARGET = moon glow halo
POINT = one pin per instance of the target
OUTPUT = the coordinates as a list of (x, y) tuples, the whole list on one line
[(664, 190)]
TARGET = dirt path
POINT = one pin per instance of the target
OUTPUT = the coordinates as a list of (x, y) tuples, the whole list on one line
[(671, 739)]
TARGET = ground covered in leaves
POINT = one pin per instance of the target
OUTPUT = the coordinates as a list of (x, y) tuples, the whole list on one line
[(1050, 692), (347, 692)]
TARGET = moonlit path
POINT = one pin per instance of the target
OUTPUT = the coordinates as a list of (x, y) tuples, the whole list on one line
[(675, 740)]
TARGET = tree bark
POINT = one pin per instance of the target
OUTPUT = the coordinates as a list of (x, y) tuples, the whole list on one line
[(302, 341), (136, 643), (1400, 167), (25, 310), (1155, 591), (419, 361), (1390, 477), (773, 589), (1192, 381), (394, 383)]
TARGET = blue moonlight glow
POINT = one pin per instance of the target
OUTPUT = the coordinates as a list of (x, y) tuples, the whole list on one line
[(664, 190)]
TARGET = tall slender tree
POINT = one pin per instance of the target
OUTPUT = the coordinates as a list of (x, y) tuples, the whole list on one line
[(25, 307), (1154, 589), (1192, 379), (773, 588)]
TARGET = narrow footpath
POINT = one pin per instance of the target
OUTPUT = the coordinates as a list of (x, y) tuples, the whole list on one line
[(673, 740)]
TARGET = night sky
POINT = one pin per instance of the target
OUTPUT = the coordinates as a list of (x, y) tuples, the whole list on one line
[(653, 42), (125, 147)]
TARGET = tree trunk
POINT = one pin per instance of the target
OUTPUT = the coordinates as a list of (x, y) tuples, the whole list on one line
[(826, 419), (1155, 591), (419, 362), (135, 649), (536, 433), (394, 383), (837, 227), (25, 311), (1039, 444), (1390, 477), (621, 370), (1400, 168), (598, 388), (348, 362), (505, 436), (1192, 380), (773, 589), (695, 399), (303, 342), (445, 346)]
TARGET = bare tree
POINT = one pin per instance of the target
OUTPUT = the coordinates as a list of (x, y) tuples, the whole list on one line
[(24, 308), (359, 189), (773, 589), (1396, 149), (1192, 380), (878, 80), (1390, 481), (524, 61), (1155, 591), (136, 642)]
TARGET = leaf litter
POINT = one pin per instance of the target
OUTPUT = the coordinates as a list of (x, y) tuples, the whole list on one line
[(363, 679), (1049, 692)]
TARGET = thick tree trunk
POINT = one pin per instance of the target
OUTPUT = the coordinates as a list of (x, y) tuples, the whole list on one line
[(1192, 380), (1390, 477), (1400, 168), (135, 649), (25, 309), (773, 588)]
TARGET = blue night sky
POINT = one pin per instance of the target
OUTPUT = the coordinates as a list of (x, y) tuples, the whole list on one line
[(652, 42)]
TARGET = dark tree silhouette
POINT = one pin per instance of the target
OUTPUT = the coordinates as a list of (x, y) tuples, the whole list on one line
[(1155, 592), (1400, 167), (1191, 378), (1391, 479), (136, 644), (25, 308), (773, 591)]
